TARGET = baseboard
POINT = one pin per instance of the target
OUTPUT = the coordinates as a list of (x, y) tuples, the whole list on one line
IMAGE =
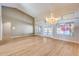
[(21, 36), (60, 39), (66, 40)]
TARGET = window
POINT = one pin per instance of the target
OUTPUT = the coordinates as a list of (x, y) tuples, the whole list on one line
[(47, 30)]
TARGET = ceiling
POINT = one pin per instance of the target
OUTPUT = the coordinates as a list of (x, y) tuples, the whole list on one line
[(41, 10), (44, 9)]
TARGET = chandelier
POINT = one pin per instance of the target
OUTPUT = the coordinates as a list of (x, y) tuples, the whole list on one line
[(51, 19)]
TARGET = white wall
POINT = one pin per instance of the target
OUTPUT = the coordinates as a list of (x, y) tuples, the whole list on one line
[(0, 25), (21, 28), (21, 23)]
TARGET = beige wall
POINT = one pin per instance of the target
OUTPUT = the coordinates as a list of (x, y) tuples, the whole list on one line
[(21, 24)]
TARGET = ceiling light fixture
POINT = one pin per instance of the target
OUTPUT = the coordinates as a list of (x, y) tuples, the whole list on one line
[(51, 19)]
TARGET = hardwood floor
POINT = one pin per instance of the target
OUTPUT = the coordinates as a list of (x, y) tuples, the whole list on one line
[(38, 46)]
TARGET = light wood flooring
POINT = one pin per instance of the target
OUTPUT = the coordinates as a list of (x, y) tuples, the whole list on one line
[(38, 46)]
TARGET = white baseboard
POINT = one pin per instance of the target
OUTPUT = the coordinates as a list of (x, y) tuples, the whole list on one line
[(21, 36), (66, 40), (60, 39)]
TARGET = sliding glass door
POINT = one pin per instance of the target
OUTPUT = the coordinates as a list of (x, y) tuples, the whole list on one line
[(47, 31)]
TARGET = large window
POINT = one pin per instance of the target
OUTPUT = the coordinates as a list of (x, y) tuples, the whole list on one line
[(47, 30), (65, 29)]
